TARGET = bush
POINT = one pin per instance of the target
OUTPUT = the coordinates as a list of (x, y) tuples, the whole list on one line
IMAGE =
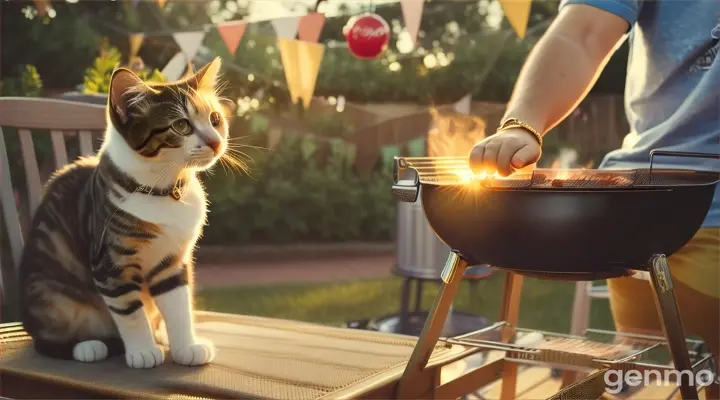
[(97, 77), (301, 191), (26, 82)]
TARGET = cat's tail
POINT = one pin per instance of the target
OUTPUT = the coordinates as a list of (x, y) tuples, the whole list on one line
[(87, 351)]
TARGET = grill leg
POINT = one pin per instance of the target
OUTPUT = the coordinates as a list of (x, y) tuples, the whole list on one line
[(410, 386), (669, 314), (509, 312)]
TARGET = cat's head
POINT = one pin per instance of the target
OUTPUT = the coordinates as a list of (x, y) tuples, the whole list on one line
[(183, 123)]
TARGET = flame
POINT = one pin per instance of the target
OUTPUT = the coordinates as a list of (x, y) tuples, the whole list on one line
[(467, 175)]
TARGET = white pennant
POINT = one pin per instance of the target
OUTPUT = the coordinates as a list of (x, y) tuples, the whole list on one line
[(412, 11), (175, 68), (286, 27), (463, 105), (189, 42)]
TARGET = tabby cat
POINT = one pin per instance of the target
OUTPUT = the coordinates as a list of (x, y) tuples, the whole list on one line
[(107, 266)]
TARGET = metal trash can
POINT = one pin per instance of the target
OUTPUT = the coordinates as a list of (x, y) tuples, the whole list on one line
[(420, 254)]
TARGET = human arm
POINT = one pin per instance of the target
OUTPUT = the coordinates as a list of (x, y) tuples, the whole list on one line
[(559, 72)]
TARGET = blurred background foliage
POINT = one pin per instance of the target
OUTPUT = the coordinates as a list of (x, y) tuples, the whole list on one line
[(301, 189)]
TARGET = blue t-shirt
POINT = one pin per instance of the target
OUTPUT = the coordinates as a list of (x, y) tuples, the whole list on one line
[(672, 93)]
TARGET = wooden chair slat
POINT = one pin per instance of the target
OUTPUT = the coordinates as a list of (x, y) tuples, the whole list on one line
[(86, 143), (43, 113), (59, 150), (32, 173), (10, 211)]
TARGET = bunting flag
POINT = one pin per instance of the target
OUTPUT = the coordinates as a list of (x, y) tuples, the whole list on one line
[(41, 6), (518, 14), (175, 68), (289, 58), (136, 40), (285, 28), (464, 104), (301, 62), (161, 3), (412, 11), (231, 33), (310, 26), (189, 42)]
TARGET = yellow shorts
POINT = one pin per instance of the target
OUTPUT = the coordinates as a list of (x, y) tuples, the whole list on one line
[(695, 270)]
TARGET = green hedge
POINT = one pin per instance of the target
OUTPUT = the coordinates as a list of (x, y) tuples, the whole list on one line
[(303, 190)]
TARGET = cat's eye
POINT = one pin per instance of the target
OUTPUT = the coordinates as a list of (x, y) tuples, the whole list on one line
[(215, 119), (182, 127)]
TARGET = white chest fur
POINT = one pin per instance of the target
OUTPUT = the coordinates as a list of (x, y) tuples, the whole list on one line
[(180, 220)]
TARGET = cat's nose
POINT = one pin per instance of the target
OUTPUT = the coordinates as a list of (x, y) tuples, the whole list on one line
[(214, 144)]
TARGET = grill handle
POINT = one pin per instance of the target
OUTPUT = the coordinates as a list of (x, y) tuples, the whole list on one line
[(406, 181), (654, 153)]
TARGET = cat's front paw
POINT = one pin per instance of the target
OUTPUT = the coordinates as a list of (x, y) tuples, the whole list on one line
[(149, 357), (198, 353), (90, 351)]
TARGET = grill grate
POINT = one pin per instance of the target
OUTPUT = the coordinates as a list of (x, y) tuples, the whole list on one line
[(456, 170)]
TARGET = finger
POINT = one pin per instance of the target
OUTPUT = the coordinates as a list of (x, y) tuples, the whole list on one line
[(489, 163), (507, 150), (525, 156), (476, 157)]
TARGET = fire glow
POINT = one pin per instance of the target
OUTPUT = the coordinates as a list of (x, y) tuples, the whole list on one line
[(466, 175)]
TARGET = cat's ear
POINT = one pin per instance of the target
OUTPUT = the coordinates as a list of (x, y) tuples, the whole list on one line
[(229, 109), (206, 78), (124, 86)]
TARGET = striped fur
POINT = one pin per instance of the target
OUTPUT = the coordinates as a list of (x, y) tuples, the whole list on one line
[(107, 266)]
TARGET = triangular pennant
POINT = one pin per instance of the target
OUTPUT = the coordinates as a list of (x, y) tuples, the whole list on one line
[(161, 3), (175, 67), (189, 42), (41, 6), (289, 57), (286, 27), (518, 14), (310, 27), (136, 40), (231, 33), (412, 11), (310, 57), (463, 105)]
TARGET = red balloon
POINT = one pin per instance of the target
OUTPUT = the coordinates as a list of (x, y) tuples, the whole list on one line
[(367, 35)]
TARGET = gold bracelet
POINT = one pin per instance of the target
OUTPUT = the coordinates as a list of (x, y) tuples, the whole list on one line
[(511, 123)]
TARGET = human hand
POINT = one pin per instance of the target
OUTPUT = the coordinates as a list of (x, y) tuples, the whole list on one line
[(505, 152)]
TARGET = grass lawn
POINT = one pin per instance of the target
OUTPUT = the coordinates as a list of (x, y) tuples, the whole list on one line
[(546, 305)]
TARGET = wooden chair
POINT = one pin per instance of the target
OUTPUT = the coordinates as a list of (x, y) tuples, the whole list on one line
[(257, 357)]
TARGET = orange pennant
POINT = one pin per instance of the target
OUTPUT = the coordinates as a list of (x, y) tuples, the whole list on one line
[(136, 40), (41, 6), (231, 33), (518, 14), (310, 27), (161, 3), (301, 62)]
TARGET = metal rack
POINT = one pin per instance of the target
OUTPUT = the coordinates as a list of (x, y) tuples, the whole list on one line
[(628, 351)]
